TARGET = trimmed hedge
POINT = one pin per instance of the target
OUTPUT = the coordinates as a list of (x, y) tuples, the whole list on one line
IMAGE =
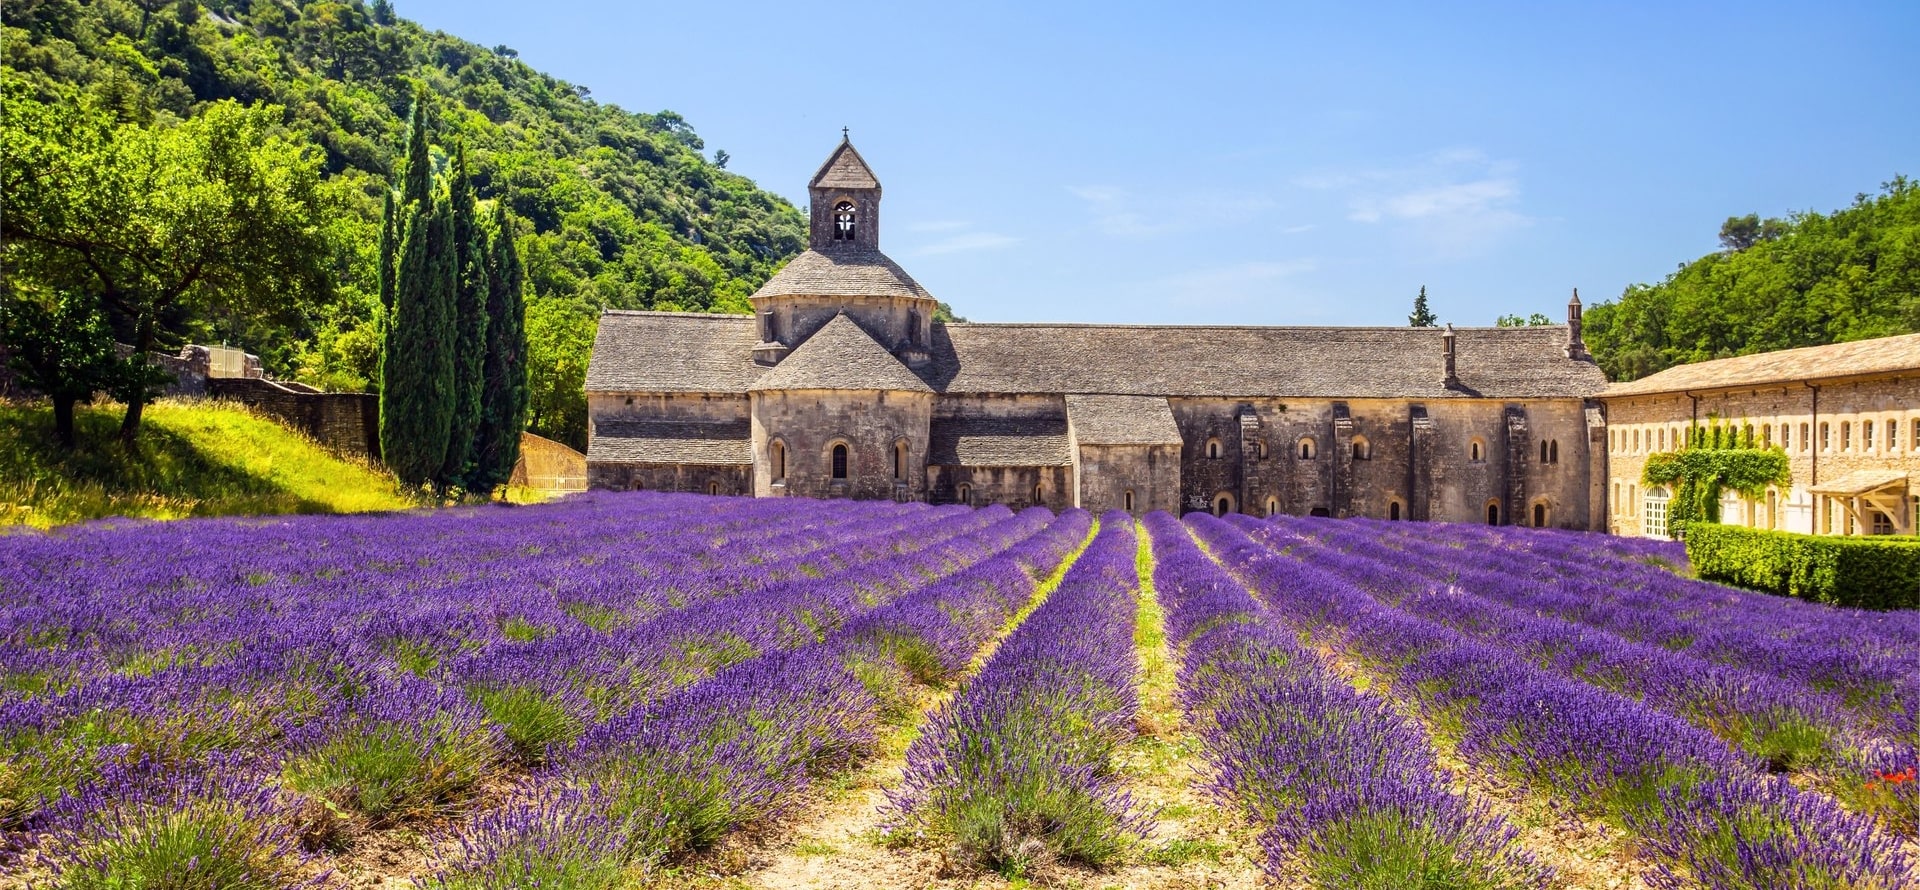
[(1867, 572)]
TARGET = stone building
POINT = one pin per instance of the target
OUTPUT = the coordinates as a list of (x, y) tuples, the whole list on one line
[(843, 385), (1847, 414)]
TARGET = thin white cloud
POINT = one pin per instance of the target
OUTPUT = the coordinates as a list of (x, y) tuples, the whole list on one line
[(1123, 214), (1295, 230), (1455, 202), (966, 241)]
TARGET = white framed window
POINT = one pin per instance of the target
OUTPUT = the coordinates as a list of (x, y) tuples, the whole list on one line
[(1654, 521)]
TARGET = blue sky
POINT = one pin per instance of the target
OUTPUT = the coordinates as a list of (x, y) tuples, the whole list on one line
[(1268, 163)]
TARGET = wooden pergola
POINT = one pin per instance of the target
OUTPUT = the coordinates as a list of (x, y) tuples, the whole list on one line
[(1863, 494)]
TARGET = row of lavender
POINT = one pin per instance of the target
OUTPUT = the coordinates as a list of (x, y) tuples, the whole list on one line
[(739, 745), (1707, 813), (1016, 766), (1839, 711), (310, 676), (1340, 785)]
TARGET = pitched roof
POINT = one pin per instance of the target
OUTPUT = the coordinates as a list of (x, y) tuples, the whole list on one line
[(1122, 420), (999, 442), (846, 169), (672, 442), (1879, 356), (1247, 362), (843, 272), (840, 356), (673, 352)]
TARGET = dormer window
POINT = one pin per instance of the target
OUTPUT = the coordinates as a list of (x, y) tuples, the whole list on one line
[(843, 221)]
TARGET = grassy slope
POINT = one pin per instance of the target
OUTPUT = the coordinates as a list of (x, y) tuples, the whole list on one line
[(196, 459)]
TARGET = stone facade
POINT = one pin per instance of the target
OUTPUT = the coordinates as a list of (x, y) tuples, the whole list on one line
[(1848, 417), (346, 422), (842, 385)]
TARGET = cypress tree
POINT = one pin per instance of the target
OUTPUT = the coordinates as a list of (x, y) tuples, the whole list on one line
[(1421, 317), (469, 343), (504, 400), (389, 251), (416, 362)]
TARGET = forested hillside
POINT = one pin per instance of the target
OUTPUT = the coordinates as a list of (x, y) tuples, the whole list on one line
[(1806, 280), (616, 209)]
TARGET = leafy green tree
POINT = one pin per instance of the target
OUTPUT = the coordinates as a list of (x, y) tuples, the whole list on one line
[(220, 214), (560, 333), (1422, 317), (1515, 321), (62, 350), (503, 404), (470, 324)]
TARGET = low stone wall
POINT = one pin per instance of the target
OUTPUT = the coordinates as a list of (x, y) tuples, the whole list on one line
[(549, 466), (347, 422)]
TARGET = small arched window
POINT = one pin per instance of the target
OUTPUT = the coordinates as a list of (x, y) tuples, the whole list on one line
[(1846, 435), (1222, 504), (839, 461), (1273, 506), (899, 460), (1553, 451), (1037, 493), (965, 493), (1662, 440), (1826, 437), (1476, 452), (1866, 435), (639, 485), (713, 488), (1126, 500), (1539, 515), (1213, 449), (1306, 448), (777, 451), (1362, 449), (1654, 524), (1806, 442), (1393, 511), (1493, 513), (843, 221)]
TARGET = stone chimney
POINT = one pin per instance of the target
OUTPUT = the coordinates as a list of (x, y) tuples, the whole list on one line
[(1576, 347), (1446, 344)]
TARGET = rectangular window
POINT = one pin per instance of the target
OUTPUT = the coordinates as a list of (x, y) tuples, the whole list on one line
[(1656, 524), (1846, 435), (1766, 435), (1893, 435), (1804, 442), (1826, 437), (1866, 436)]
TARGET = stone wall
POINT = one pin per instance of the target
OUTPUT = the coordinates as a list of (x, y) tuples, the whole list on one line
[(1011, 486), (727, 479), (346, 422), (1109, 472), (809, 423)]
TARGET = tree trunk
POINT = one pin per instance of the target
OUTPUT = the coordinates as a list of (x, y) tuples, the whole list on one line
[(137, 396), (63, 421)]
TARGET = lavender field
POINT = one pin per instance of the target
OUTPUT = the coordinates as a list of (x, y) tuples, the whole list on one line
[(641, 690)]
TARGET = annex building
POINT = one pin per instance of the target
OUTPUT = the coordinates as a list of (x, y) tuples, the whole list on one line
[(843, 385), (1847, 415)]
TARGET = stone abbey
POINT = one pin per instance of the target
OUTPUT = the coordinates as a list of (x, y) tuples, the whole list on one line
[(842, 384)]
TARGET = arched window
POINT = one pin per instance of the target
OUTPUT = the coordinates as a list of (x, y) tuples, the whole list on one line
[(1636, 440), (639, 485), (777, 451), (1866, 435), (1662, 434), (1553, 451), (1126, 500), (713, 488), (1766, 435), (1222, 504), (1893, 434), (900, 460), (1654, 523), (1746, 436), (1773, 508), (1826, 437), (1273, 506), (1476, 452), (1036, 493), (839, 461), (1393, 511), (965, 493), (1806, 442), (1493, 512), (1362, 450), (1213, 449), (1539, 515), (843, 221), (1306, 449)]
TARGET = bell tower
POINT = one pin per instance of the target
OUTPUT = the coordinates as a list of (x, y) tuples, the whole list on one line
[(845, 200)]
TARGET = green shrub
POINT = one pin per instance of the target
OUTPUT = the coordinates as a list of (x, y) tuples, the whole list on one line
[(1870, 573)]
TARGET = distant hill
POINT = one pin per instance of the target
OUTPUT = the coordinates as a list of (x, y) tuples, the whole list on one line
[(620, 210), (1806, 280), (196, 459)]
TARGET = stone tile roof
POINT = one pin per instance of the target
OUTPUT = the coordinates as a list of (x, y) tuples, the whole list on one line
[(1861, 481), (672, 442), (673, 352), (999, 442), (1122, 420), (840, 356), (1244, 362), (1860, 357), (685, 352), (845, 169), (842, 271)]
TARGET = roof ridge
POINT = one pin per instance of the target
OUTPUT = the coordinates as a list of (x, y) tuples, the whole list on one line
[(663, 313), (1137, 326)]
